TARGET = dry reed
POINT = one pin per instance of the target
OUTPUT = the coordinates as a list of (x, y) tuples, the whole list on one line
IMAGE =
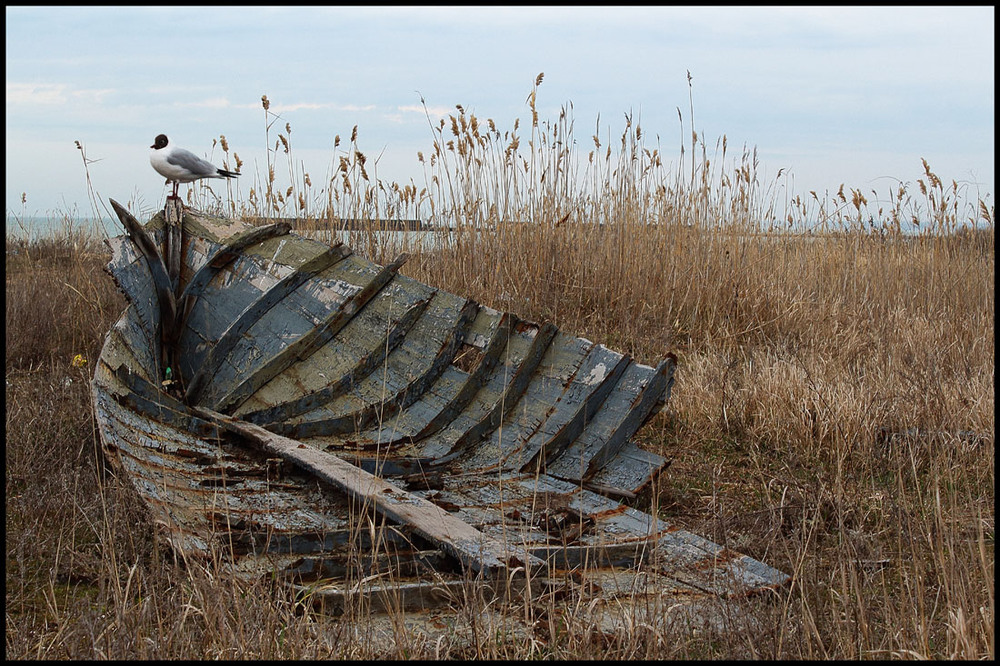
[(833, 413)]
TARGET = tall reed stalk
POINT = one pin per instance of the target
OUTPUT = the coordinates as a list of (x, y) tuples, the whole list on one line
[(833, 412)]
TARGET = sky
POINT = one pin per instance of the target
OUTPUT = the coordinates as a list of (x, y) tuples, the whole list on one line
[(831, 95)]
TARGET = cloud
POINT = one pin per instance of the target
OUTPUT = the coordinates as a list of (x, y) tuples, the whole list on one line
[(214, 103), (52, 94), (434, 112), (278, 108), (36, 93), (308, 106)]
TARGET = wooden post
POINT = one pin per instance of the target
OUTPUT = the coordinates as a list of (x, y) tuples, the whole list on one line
[(174, 214), (161, 282)]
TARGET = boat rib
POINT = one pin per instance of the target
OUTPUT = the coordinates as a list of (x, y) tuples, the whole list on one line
[(278, 388)]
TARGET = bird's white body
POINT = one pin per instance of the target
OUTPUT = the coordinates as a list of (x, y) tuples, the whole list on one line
[(182, 166)]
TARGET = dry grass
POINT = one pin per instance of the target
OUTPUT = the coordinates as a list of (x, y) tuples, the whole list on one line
[(833, 414)]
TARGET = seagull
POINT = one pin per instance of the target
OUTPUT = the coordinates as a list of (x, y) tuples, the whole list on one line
[(182, 166)]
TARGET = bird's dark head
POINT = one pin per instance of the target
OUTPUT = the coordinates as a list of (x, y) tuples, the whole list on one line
[(160, 142)]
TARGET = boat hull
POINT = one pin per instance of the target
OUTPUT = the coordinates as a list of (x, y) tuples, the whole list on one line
[(265, 392)]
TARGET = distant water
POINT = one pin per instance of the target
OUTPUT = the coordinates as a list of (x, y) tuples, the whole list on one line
[(33, 227), (400, 240)]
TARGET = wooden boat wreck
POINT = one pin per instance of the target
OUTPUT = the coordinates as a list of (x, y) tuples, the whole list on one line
[(274, 399)]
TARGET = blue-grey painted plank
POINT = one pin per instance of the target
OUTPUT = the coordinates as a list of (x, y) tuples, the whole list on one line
[(540, 400), (221, 257), (630, 471), (310, 341), (357, 350), (225, 254), (653, 396), (486, 411), (160, 289), (142, 317), (252, 314), (242, 283), (451, 393), (366, 364), (143, 343), (633, 399), (585, 392), (300, 312), (412, 357), (385, 397)]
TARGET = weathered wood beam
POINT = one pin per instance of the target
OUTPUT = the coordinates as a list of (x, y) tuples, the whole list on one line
[(646, 403), (545, 445), (366, 416), (474, 549), (161, 278), (522, 377), (474, 382), (221, 258), (173, 213), (311, 341), (365, 366), (255, 311)]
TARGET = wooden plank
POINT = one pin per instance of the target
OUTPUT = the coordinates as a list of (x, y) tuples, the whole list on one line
[(247, 281), (160, 279), (653, 395), (526, 413), (584, 394), (138, 325), (174, 214), (469, 545), (220, 258), (310, 341), (233, 290), (226, 254), (487, 361), (516, 344), (453, 390), (568, 433), (468, 440), (402, 595), (390, 318), (253, 312), (390, 559), (633, 468), (158, 271), (421, 356), (633, 400), (707, 566), (381, 406), (365, 365)]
